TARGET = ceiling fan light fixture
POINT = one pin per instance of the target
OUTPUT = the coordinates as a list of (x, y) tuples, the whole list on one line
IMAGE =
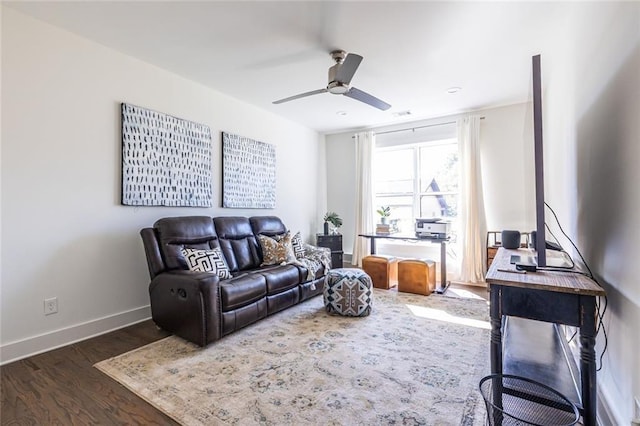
[(337, 88), (454, 89)]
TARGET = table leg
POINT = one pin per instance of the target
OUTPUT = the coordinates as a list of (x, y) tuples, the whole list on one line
[(588, 359), (444, 284), (373, 245), (495, 311)]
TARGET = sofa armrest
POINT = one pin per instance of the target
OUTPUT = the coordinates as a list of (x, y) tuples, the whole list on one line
[(187, 304), (316, 250), (319, 254)]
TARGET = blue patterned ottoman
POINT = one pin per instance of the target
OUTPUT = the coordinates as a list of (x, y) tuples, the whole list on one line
[(347, 291)]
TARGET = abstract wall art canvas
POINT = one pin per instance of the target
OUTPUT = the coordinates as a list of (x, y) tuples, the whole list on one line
[(166, 161), (248, 173)]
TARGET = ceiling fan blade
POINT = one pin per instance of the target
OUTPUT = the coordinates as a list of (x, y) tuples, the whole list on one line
[(368, 99), (348, 68), (301, 95)]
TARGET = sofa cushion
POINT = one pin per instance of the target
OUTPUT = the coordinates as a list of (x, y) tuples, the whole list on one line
[(174, 233), (276, 250), (239, 244), (207, 261), (280, 278), (242, 290)]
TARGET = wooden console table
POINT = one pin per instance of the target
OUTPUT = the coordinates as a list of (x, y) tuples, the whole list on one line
[(444, 284), (555, 297)]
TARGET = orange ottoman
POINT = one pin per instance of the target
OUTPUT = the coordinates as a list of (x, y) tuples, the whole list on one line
[(383, 270), (417, 276)]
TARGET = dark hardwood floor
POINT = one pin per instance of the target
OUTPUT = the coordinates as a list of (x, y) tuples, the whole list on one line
[(61, 387)]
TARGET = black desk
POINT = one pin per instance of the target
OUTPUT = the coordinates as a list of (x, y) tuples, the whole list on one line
[(444, 284), (554, 297)]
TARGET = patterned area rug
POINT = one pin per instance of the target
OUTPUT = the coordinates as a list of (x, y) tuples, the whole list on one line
[(415, 360)]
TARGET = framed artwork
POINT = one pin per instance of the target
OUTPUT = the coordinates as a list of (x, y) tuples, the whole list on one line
[(166, 161), (248, 173)]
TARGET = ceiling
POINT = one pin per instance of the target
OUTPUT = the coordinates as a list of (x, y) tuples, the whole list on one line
[(260, 51)]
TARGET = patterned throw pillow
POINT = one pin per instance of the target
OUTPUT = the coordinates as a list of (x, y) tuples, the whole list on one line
[(298, 245), (207, 261), (277, 250)]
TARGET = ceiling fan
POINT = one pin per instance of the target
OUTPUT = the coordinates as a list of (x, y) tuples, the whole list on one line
[(340, 76)]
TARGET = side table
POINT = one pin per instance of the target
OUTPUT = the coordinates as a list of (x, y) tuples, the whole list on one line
[(334, 243)]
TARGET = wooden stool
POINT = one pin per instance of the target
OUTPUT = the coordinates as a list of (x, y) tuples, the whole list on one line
[(417, 276), (383, 270)]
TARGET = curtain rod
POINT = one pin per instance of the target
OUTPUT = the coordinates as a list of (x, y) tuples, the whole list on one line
[(413, 129)]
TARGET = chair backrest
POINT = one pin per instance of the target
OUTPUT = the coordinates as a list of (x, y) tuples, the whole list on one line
[(174, 233), (238, 242), (266, 225)]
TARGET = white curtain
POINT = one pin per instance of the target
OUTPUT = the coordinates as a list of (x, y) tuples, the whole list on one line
[(472, 215), (365, 144)]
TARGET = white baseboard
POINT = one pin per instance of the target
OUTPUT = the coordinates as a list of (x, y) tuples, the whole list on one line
[(606, 414), (45, 342), (346, 259)]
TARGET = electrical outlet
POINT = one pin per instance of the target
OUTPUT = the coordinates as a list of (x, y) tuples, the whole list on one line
[(51, 306)]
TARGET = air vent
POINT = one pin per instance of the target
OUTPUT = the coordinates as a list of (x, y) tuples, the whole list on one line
[(402, 113)]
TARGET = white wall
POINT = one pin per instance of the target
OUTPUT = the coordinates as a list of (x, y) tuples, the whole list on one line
[(591, 107), (341, 183), (507, 171), (592, 153), (64, 233)]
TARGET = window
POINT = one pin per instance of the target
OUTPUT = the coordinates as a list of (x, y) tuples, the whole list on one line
[(420, 180)]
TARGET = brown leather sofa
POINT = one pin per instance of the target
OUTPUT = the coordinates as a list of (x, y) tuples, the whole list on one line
[(200, 307)]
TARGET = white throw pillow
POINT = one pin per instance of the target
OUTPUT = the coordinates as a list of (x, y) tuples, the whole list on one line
[(298, 245), (207, 261)]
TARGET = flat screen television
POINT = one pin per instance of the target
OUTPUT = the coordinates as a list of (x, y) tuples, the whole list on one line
[(540, 243), (540, 240)]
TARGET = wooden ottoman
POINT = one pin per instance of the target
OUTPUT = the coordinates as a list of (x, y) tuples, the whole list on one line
[(417, 276), (383, 270), (348, 292)]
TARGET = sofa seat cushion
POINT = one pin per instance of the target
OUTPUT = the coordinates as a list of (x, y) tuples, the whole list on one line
[(280, 278), (303, 271), (242, 290)]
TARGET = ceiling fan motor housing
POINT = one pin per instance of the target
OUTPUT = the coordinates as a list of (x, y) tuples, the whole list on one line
[(334, 86)]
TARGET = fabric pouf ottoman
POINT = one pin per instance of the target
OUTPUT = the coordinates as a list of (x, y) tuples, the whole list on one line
[(348, 292)]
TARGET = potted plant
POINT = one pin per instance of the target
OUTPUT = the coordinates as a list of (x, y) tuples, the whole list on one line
[(331, 218), (384, 212)]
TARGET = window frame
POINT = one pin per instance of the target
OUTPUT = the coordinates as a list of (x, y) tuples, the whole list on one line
[(417, 195)]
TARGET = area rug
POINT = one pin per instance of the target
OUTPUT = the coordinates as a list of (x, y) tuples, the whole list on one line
[(415, 360)]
